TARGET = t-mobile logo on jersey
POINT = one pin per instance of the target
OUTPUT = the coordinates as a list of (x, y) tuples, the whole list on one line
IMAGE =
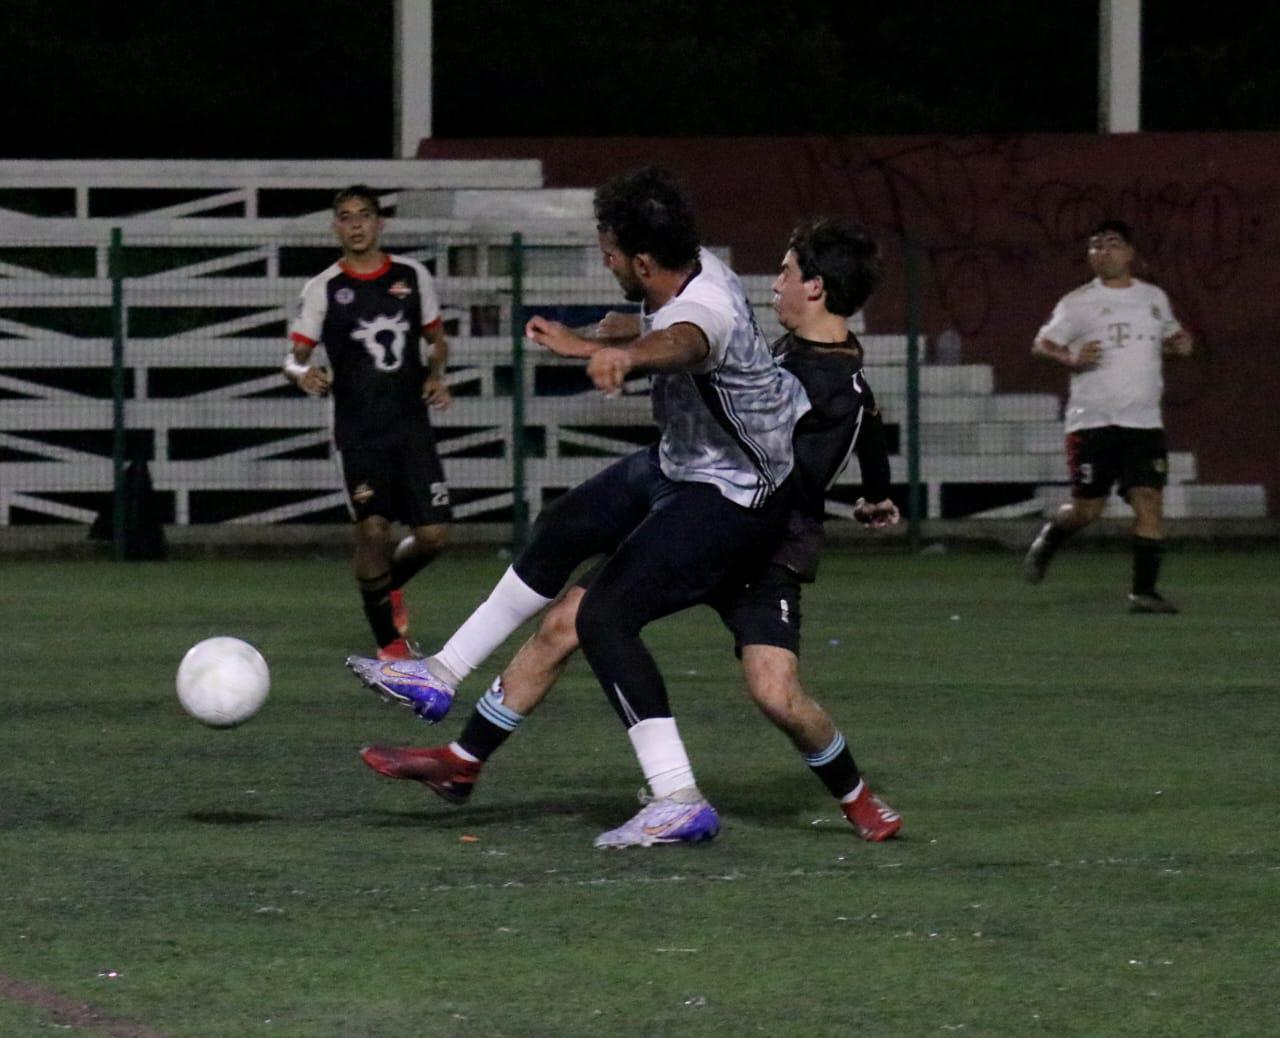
[(383, 339), (1118, 333)]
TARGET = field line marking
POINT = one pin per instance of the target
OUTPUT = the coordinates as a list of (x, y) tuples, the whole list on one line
[(69, 1011)]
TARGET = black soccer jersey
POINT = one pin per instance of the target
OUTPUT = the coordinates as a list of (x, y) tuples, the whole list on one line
[(371, 326), (843, 421)]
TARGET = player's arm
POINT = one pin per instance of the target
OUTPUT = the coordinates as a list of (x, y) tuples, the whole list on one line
[(875, 508), (677, 348), (298, 369), (1179, 344), (435, 390), (615, 328), (1087, 357)]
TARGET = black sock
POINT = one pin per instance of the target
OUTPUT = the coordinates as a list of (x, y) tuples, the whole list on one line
[(1147, 552), (835, 768), (376, 594), (1054, 536), (408, 559), (489, 725)]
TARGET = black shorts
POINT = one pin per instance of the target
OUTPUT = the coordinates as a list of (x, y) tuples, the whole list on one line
[(1115, 455), (765, 611), (404, 483)]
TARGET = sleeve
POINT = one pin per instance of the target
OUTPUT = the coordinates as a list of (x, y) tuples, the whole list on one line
[(716, 323), (431, 316), (1061, 326), (872, 449), (308, 323)]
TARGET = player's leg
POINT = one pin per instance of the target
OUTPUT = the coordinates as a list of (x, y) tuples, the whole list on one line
[(1143, 487), (427, 510), (764, 617), (591, 519), (773, 681), (452, 770), (369, 478), (681, 552), (1091, 473)]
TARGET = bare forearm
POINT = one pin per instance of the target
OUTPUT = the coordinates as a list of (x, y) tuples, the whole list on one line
[(677, 348)]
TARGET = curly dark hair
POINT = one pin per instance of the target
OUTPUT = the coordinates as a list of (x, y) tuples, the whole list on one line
[(844, 256), (361, 191), (646, 212)]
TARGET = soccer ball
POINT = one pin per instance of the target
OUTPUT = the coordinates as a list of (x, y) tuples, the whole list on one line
[(223, 681)]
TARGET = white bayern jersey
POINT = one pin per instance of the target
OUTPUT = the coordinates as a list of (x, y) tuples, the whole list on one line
[(729, 421), (1131, 324)]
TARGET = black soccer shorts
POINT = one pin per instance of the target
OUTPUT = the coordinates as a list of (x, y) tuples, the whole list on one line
[(1115, 455), (404, 483), (764, 611)]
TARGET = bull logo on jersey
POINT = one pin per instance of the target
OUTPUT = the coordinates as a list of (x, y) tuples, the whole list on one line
[(383, 339)]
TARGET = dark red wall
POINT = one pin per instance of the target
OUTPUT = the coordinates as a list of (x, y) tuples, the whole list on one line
[(1001, 223)]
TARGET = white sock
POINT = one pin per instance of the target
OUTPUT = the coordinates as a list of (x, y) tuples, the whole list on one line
[(458, 751), (510, 604), (662, 756), (857, 792)]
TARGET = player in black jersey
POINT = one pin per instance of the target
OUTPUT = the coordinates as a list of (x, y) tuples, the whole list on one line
[(372, 312), (827, 274)]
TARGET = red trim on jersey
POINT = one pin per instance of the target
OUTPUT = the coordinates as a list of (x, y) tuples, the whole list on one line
[(372, 275), (433, 325), (301, 339)]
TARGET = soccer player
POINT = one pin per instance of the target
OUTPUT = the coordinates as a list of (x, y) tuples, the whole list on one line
[(827, 274), (673, 520), (1113, 334), (375, 313)]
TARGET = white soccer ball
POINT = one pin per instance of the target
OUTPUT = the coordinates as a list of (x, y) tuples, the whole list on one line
[(223, 681)]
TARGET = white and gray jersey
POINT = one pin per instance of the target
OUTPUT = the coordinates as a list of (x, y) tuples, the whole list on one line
[(728, 421), (1124, 388)]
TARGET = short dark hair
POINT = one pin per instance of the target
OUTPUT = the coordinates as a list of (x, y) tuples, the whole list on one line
[(844, 256), (1114, 227), (361, 191), (646, 212)]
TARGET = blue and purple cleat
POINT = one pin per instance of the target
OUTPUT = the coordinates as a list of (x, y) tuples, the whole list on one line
[(408, 682), (684, 817)]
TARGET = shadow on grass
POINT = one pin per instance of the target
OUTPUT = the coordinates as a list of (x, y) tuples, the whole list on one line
[(602, 811), (233, 817)]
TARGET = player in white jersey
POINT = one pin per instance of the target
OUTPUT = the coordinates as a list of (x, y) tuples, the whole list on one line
[(673, 520), (374, 314), (1113, 335)]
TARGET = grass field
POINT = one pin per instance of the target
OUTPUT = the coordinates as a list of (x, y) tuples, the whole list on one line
[(1090, 801)]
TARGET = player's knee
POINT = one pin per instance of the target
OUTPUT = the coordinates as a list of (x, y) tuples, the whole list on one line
[(431, 539), (559, 629)]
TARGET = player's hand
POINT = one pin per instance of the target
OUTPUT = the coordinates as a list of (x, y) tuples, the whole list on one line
[(608, 368), (435, 391), (617, 325), (558, 338), (1178, 344), (878, 515), (1089, 356), (316, 381)]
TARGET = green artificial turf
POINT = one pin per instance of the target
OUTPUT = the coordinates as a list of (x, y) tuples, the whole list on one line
[(1089, 847)]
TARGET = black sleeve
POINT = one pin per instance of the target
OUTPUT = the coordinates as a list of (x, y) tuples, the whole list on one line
[(873, 455)]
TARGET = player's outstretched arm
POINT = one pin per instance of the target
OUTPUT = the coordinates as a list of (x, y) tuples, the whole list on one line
[(559, 338), (678, 348)]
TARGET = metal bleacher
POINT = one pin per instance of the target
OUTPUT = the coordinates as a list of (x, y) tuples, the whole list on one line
[(225, 248)]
